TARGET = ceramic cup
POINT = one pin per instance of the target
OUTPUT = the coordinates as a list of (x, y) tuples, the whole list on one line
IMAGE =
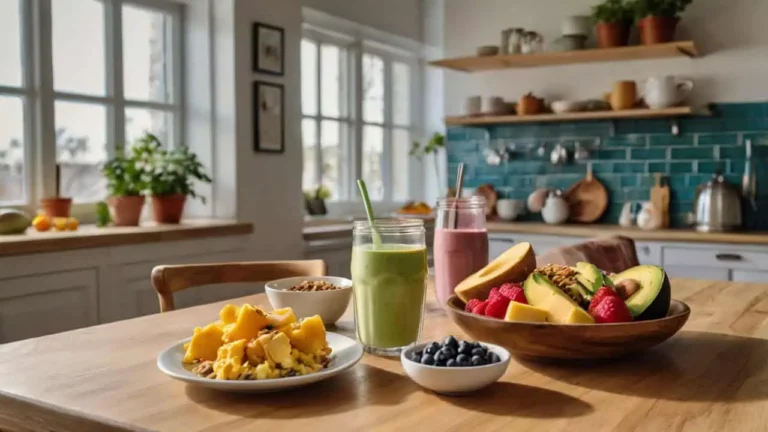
[(494, 105), (473, 105), (623, 95)]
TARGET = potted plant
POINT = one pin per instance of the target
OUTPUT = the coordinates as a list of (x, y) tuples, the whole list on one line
[(657, 19), (432, 147), (169, 176), (125, 187), (613, 20), (314, 200)]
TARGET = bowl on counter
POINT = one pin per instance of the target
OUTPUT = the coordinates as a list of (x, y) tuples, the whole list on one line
[(550, 342), (509, 209), (454, 380), (330, 305)]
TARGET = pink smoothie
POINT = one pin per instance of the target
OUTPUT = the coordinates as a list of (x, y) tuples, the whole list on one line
[(457, 253)]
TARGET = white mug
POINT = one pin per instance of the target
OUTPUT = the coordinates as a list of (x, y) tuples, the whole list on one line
[(666, 91), (473, 105), (494, 105)]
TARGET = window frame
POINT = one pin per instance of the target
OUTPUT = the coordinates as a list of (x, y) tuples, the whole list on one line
[(40, 97), (362, 40)]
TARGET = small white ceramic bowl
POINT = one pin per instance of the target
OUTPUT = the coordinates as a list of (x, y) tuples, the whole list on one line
[(509, 209), (454, 380), (330, 305), (561, 107)]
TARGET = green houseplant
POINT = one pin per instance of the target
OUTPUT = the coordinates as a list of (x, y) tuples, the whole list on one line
[(125, 187), (613, 20), (169, 176), (314, 200), (658, 19), (432, 147)]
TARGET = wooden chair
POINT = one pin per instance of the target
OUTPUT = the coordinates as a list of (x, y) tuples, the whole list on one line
[(611, 254), (173, 278)]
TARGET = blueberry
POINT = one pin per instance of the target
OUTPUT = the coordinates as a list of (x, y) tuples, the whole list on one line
[(432, 348), (428, 360), (416, 357), (451, 342), (419, 353), (462, 360), (448, 352), (493, 357), (441, 356), (479, 352), (451, 363), (465, 348), (440, 362), (478, 361)]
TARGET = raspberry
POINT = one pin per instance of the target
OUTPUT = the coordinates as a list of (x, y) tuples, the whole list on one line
[(497, 307), (480, 308), (611, 310), (494, 293), (600, 295), (471, 304), (513, 292)]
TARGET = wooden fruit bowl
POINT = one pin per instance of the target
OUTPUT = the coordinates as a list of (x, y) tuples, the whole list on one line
[(546, 342)]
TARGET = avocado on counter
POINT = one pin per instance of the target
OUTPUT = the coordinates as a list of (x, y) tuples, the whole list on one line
[(654, 295), (13, 222)]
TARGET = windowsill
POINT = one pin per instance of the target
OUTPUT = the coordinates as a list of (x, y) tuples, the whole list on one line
[(90, 236)]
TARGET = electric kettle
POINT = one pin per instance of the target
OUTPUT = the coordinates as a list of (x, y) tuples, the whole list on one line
[(717, 206)]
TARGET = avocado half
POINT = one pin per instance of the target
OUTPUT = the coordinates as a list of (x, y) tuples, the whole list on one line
[(591, 277), (653, 298)]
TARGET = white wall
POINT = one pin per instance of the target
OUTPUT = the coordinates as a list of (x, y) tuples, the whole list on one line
[(732, 34), (400, 17)]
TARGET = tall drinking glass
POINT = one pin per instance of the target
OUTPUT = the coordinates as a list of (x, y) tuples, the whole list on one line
[(461, 243), (389, 275)]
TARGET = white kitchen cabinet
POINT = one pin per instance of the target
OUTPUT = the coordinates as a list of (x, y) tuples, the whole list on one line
[(749, 276), (696, 272), (337, 255), (39, 305)]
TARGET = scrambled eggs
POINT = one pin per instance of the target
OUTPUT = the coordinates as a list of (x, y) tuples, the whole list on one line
[(250, 344)]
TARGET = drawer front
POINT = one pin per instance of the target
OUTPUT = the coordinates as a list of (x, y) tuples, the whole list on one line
[(693, 272), (722, 258), (648, 254)]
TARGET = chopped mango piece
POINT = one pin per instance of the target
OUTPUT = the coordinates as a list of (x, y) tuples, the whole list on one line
[(204, 344), (278, 349), (308, 335), (228, 314), (579, 316), (281, 317), (523, 312), (250, 321), (229, 361)]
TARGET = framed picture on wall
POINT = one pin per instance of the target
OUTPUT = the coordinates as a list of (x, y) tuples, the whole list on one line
[(268, 44), (269, 117)]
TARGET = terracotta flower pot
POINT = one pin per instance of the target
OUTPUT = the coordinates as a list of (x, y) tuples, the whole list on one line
[(56, 207), (126, 210), (612, 34), (168, 208), (657, 29)]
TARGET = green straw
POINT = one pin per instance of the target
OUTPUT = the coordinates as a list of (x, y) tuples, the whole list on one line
[(369, 211)]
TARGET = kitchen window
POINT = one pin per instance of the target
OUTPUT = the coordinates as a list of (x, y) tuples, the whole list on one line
[(358, 119), (81, 78)]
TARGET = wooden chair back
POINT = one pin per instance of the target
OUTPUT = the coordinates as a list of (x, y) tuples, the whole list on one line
[(611, 254), (169, 279)]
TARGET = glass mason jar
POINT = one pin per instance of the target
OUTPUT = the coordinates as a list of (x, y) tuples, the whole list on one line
[(461, 243), (389, 275)]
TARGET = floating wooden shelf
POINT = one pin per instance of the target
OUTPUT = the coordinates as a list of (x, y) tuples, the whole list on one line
[(555, 58), (576, 116)]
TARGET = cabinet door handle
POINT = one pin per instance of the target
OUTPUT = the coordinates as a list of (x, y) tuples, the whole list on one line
[(729, 257), (646, 250)]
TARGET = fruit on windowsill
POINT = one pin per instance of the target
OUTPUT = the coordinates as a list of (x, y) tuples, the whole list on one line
[(13, 222), (561, 309), (523, 312), (514, 265), (41, 223), (652, 299), (60, 224)]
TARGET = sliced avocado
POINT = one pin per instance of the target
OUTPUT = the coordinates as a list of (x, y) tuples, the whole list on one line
[(589, 275), (652, 299), (542, 293)]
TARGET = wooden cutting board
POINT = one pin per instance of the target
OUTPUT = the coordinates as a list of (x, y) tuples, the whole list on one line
[(660, 200), (587, 199)]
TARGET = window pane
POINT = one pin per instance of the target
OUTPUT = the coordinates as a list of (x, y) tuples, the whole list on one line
[(330, 60), (401, 145), (140, 120), (81, 147), (373, 146), (333, 156), (309, 143), (373, 88), (11, 149), (10, 43), (78, 46), (401, 94), (308, 77), (146, 54)]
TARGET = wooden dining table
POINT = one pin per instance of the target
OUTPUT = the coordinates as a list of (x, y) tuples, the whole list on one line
[(711, 376)]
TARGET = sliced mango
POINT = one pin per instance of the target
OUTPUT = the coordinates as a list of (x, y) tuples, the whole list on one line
[(281, 317), (228, 314), (229, 361), (308, 335), (526, 313), (205, 344), (250, 321)]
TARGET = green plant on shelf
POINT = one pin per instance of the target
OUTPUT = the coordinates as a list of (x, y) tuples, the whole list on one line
[(658, 8), (612, 11), (432, 147), (319, 193), (123, 176)]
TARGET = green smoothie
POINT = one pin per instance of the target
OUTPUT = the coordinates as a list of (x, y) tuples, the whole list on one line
[(389, 288)]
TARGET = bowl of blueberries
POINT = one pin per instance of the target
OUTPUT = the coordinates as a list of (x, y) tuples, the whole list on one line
[(454, 366)]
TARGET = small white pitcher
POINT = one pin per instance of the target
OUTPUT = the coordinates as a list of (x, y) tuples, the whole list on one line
[(666, 91)]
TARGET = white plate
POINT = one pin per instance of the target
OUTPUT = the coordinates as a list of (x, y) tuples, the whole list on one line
[(345, 353)]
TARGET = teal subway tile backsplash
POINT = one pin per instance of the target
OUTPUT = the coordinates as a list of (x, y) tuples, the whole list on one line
[(624, 155)]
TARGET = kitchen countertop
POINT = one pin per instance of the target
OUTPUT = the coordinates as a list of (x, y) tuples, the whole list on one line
[(338, 229), (90, 236), (708, 377)]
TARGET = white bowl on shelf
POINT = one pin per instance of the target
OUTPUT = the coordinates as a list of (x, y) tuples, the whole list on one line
[(564, 106)]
